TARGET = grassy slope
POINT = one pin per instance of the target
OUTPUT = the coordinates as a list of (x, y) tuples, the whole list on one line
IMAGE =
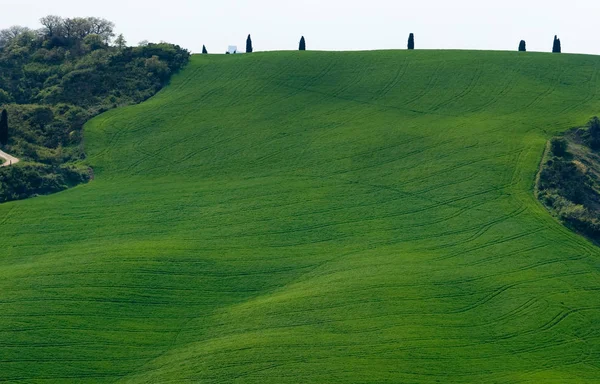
[(332, 217)]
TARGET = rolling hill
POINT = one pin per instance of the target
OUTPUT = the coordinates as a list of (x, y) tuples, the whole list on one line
[(287, 217)]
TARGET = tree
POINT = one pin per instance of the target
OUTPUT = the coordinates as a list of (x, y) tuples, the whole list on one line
[(4, 128), (70, 32), (204, 51), (594, 131), (94, 42), (558, 146), (249, 48), (411, 41), (101, 27), (7, 36), (53, 25), (556, 47), (120, 42), (302, 44), (522, 46)]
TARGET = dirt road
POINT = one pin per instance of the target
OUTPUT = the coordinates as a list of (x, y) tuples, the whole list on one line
[(9, 159)]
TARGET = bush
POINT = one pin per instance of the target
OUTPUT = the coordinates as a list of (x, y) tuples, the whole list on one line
[(558, 146), (569, 187), (594, 132), (5, 97), (25, 180)]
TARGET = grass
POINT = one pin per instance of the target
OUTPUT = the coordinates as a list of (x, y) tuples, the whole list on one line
[(313, 217)]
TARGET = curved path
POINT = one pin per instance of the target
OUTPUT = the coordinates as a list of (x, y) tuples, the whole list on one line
[(9, 159)]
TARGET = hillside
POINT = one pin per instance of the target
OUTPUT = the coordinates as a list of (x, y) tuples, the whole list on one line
[(313, 217)]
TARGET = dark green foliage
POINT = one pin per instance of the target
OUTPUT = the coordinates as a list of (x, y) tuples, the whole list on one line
[(88, 72), (556, 47), (79, 86), (25, 180), (204, 51), (558, 146), (564, 177), (569, 183), (249, 48), (49, 134), (70, 32), (120, 42), (411, 41), (522, 46), (53, 81), (302, 44), (4, 128), (594, 133)]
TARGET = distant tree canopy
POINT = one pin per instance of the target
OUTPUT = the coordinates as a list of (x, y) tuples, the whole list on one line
[(411, 41), (522, 46), (120, 42), (249, 47), (69, 61), (4, 128), (204, 51), (61, 32), (13, 33), (302, 44), (556, 47)]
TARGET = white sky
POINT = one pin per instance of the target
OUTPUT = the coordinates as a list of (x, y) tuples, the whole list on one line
[(334, 24)]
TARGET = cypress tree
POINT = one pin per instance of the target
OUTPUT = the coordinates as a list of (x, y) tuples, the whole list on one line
[(302, 44), (556, 48), (411, 41), (204, 51), (522, 46), (249, 48), (4, 128)]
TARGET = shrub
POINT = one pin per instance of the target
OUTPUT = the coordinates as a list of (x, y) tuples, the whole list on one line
[(25, 180), (5, 97), (558, 146), (594, 132)]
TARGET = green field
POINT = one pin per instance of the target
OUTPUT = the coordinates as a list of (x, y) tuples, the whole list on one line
[(308, 217)]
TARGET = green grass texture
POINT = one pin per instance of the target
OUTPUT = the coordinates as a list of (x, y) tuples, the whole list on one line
[(313, 217)]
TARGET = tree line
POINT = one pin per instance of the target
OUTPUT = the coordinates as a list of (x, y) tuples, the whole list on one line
[(556, 47)]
